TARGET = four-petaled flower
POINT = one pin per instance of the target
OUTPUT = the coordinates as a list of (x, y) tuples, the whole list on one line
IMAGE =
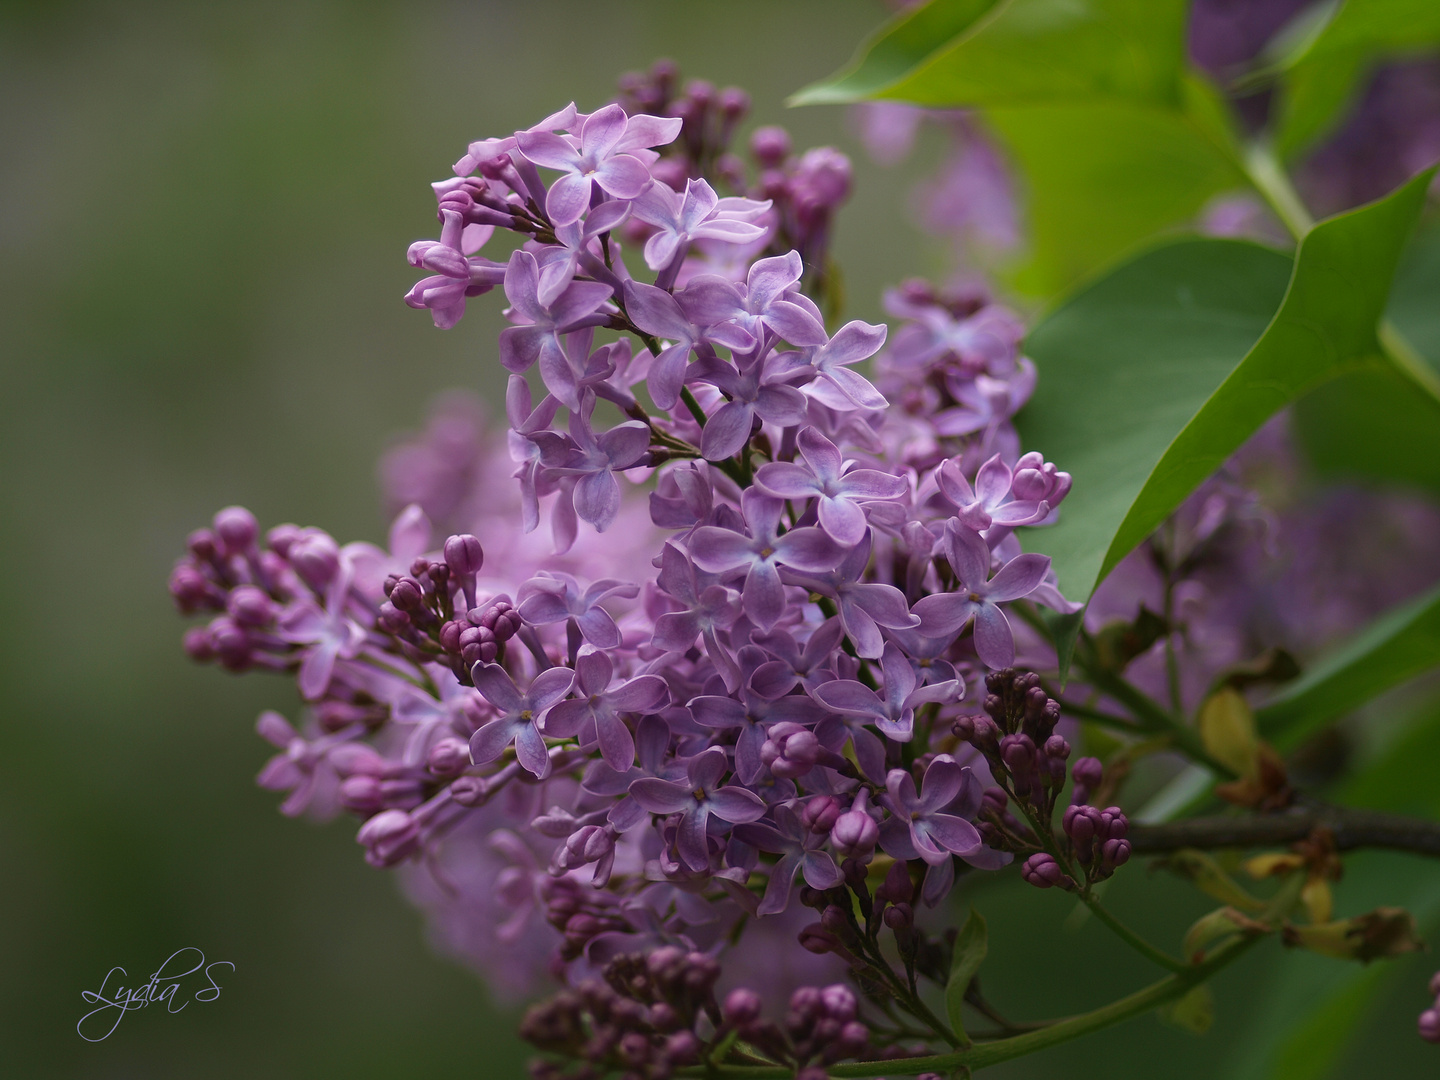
[(799, 850), (520, 715), (894, 714), (696, 800), (602, 705), (979, 595), (842, 490)]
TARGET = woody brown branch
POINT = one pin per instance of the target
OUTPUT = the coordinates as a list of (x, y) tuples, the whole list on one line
[(1351, 828)]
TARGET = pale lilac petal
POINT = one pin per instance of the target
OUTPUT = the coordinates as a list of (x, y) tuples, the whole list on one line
[(994, 641), (569, 196), (625, 444), (713, 711), (729, 232), (660, 249), (784, 406), (1019, 577), (843, 520), (726, 431), (617, 746), (549, 686), (597, 499), (872, 484), (820, 870), (769, 278), (939, 879), (854, 387), (667, 375), (951, 833), (495, 684), (490, 741), (691, 842), (655, 311), (645, 131), (641, 694), (520, 347), (895, 838), (716, 550), (547, 149), (786, 480), (736, 805), (623, 176), (987, 858), (943, 781), (794, 324), (763, 594), (943, 614), (849, 698), (602, 131), (969, 557), (856, 340), (705, 769), (777, 890), (598, 628), (661, 796), (593, 672), (809, 549), (992, 483), (530, 751), (579, 300), (886, 605), (710, 300), (860, 628)]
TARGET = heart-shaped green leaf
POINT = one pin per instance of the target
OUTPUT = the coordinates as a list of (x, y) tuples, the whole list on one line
[(1149, 378)]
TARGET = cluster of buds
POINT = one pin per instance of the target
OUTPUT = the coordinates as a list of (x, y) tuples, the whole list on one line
[(1429, 1023), (820, 1027), (644, 1018), (1027, 758)]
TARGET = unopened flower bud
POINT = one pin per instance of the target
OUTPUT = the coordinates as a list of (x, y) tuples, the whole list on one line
[(816, 939), (450, 635), (1115, 853), (316, 558), (198, 645), (1429, 1025), (389, 837), (1057, 747), (741, 1008), (899, 916), (897, 887), (249, 606), (821, 813), (361, 794), (407, 596), (448, 757), (790, 751), (770, 145), (1042, 871), (236, 529), (682, 1048), (855, 834)]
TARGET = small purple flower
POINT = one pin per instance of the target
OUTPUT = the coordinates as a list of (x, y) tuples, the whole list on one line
[(536, 339), (767, 301), (558, 264), (800, 850), (668, 316), (751, 714), (328, 633), (979, 595), (520, 715), (835, 385), (696, 800), (699, 214), (593, 460), (652, 751), (709, 609), (842, 491), (894, 714), (597, 155), (752, 392), (551, 596), (793, 666), (864, 606), (602, 705), (762, 553), (918, 826), (1024, 496)]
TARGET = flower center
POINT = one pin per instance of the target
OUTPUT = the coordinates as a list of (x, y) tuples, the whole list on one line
[(699, 794), (526, 714)]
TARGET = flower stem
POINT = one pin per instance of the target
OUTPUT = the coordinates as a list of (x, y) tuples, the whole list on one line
[(981, 1055), (1134, 940)]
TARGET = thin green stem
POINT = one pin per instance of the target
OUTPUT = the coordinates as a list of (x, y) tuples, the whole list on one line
[(1134, 940), (981, 1055)]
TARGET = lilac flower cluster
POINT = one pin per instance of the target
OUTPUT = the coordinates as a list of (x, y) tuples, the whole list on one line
[(742, 682)]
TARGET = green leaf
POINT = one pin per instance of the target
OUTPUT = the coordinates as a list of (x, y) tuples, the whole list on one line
[(1379, 426), (1399, 645), (1321, 74), (1149, 380), (1043, 51), (970, 948), (1102, 177), (895, 50), (1115, 139)]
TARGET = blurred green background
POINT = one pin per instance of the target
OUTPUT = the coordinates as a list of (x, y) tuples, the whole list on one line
[(203, 214)]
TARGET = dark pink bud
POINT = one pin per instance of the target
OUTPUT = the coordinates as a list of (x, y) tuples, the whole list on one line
[(839, 1002), (249, 606), (198, 645), (450, 635), (1429, 1025), (1115, 853), (391, 619), (770, 146), (855, 833), (1042, 871), (899, 917), (191, 589), (201, 544), (361, 794), (816, 939), (316, 558), (236, 529), (389, 837), (1057, 747), (230, 643), (682, 1048), (821, 813), (449, 757), (897, 887), (281, 537), (408, 596), (1088, 772)]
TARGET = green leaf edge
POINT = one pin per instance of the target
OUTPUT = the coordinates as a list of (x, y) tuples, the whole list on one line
[(971, 945), (1324, 692), (897, 48)]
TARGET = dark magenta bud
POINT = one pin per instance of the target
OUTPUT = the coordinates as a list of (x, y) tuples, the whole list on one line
[(899, 916), (770, 146), (281, 537), (236, 529), (231, 644), (361, 794), (897, 887), (1088, 772), (191, 589), (839, 1002), (682, 1048), (448, 757), (201, 544), (821, 813), (1429, 1025), (249, 606), (316, 559), (198, 645), (450, 635), (391, 619), (1115, 853), (855, 833), (816, 939), (1057, 747), (408, 596), (1042, 871)]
